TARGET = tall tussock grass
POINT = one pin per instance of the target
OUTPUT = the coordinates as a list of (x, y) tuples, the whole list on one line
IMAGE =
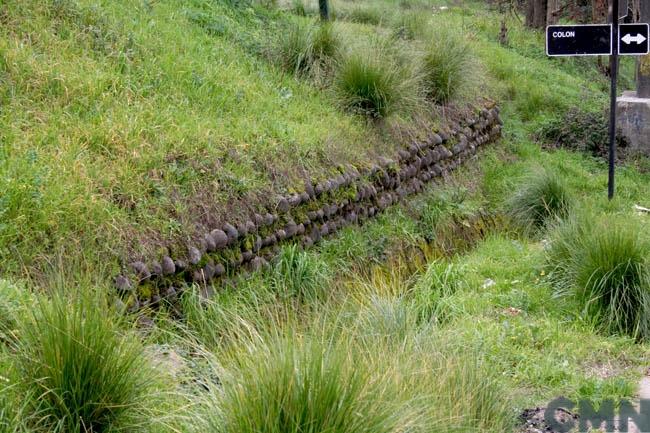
[(299, 275), (604, 264), (540, 198), (372, 81), (79, 373), (303, 49), (447, 66), (333, 376)]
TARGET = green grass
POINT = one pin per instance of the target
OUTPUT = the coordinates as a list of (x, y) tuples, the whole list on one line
[(78, 372), (541, 198), (125, 125), (371, 82), (603, 263), (446, 66)]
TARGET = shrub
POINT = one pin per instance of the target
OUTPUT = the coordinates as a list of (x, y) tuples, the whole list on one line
[(603, 263), (446, 66), (299, 275), (79, 373), (372, 83), (584, 131), (540, 198)]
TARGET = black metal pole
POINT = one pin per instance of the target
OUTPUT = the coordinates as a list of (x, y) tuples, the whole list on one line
[(613, 67), (324, 9)]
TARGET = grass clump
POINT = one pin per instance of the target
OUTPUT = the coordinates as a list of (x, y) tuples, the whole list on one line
[(299, 275), (446, 66), (293, 384), (302, 48), (603, 263), (539, 199), (80, 374), (410, 25), (440, 280), (372, 83), (366, 15)]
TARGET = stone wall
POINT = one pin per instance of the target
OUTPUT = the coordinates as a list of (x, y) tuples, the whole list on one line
[(320, 210)]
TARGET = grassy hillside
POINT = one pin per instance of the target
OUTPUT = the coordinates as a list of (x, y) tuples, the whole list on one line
[(127, 127)]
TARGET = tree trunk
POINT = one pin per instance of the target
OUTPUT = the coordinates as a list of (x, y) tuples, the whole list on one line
[(536, 14), (553, 9), (324, 9)]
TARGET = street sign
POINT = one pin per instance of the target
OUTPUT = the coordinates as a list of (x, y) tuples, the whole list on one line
[(633, 39), (579, 40)]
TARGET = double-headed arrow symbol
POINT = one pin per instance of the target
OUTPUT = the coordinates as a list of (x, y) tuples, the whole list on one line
[(639, 39)]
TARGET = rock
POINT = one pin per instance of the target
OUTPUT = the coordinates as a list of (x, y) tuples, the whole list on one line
[(155, 301), (203, 245), (301, 229), (318, 189), (294, 200), (324, 230), (194, 255), (220, 238), (258, 263), (312, 215), (231, 232), (170, 293), (281, 235), (140, 270), (156, 269), (309, 188), (315, 234), (269, 219), (307, 242), (250, 227), (208, 271), (258, 244), (403, 155), (304, 197), (282, 205), (291, 229), (258, 219), (168, 266), (435, 139), (320, 213), (242, 229), (247, 256), (180, 265), (219, 270), (210, 243), (123, 284)]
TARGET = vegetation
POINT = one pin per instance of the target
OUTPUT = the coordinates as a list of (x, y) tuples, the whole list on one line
[(542, 198), (125, 127), (603, 263), (79, 373), (446, 66)]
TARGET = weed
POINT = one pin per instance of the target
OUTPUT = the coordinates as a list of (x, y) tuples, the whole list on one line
[(410, 25), (366, 15)]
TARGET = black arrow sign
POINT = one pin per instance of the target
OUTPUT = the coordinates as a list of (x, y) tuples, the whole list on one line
[(634, 39)]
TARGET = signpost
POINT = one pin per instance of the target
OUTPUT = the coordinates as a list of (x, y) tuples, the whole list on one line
[(602, 40), (634, 40)]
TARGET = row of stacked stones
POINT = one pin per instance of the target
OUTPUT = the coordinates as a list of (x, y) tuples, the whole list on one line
[(320, 210)]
